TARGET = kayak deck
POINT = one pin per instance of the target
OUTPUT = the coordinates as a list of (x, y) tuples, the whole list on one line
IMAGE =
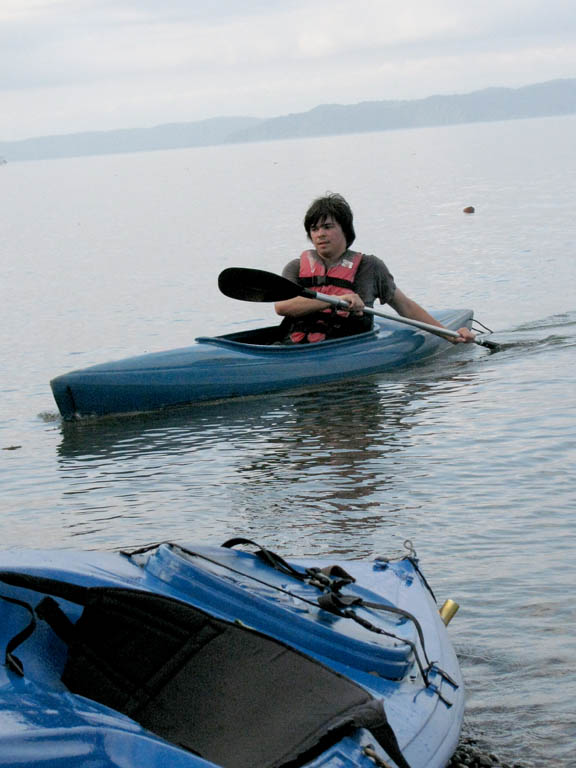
[(386, 638), (242, 364)]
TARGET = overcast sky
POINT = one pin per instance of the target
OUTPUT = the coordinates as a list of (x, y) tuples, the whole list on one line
[(73, 65)]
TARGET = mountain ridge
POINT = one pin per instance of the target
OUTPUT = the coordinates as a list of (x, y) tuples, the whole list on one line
[(547, 99)]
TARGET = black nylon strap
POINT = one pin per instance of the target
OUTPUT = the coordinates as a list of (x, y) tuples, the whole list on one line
[(378, 725), (72, 592), (341, 605), (49, 611), (268, 557), (336, 577), (386, 737), (11, 660), (333, 577), (335, 603)]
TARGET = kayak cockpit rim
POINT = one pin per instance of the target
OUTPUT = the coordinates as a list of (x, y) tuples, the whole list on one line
[(268, 339)]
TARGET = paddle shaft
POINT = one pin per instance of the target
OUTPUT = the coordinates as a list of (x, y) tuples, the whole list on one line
[(443, 332), (370, 311), (257, 285)]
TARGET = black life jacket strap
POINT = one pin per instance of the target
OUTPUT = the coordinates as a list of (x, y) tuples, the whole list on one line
[(319, 280)]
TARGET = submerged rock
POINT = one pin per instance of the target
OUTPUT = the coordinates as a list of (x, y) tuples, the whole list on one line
[(469, 755)]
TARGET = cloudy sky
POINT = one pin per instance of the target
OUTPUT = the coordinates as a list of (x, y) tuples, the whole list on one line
[(73, 65)]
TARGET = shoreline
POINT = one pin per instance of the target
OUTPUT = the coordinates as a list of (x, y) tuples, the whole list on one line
[(470, 755)]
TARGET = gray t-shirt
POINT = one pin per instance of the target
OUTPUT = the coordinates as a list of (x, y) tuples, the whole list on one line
[(373, 279)]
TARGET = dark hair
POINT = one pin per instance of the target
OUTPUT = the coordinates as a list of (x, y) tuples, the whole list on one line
[(335, 206)]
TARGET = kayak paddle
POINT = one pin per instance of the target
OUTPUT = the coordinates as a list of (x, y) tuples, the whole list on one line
[(258, 285)]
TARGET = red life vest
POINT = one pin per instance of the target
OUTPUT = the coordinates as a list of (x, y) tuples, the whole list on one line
[(336, 281)]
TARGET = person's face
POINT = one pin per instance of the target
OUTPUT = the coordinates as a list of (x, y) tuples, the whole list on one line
[(328, 239)]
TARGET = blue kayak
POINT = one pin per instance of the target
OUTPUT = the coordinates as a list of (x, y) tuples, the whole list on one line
[(198, 656), (242, 364)]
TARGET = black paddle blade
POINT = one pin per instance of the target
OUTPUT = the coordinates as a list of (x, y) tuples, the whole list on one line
[(491, 345), (256, 285)]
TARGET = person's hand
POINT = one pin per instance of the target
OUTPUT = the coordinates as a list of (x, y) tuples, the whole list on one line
[(355, 302), (465, 336)]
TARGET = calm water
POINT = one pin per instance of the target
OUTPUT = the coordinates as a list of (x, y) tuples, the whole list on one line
[(472, 457)]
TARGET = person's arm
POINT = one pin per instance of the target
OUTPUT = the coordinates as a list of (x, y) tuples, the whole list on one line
[(409, 308), (301, 306)]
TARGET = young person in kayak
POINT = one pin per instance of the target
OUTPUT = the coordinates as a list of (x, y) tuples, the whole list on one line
[(332, 268)]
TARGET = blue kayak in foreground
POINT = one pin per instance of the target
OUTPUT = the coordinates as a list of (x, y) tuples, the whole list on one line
[(197, 656), (243, 364)]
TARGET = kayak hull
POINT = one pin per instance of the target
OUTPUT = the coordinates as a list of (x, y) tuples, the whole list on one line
[(241, 365), (44, 724)]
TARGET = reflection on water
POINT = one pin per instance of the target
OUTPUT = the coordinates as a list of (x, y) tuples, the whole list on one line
[(302, 467)]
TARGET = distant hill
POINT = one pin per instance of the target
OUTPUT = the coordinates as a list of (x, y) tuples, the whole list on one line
[(170, 136), (557, 97)]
